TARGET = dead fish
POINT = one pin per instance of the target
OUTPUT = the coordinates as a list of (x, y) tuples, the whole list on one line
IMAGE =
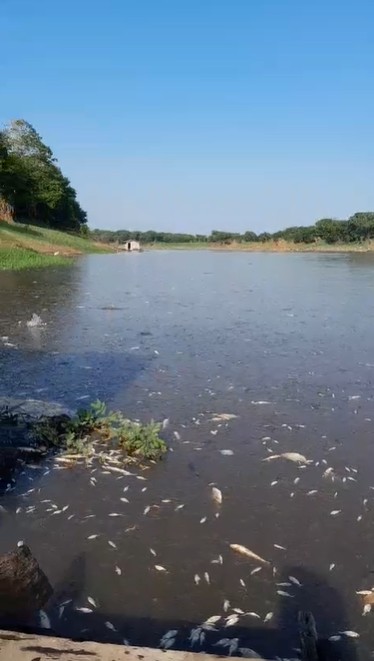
[(165, 423), (203, 520), (45, 622), (197, 579), (207, 578), (290, 456), (84, 610), (268, 617), (278, 546), (208, 624), (115, 514), (282, 593), (177, 435), (332, 566), (124, 500), (178, 507), (312, 492), (239, 548), (272, 484), (146, 510), (367, 609), (231, 620), (256, 570), (218, 417), (110, 626), (295, 581), (160, 568), (226, 605), (248, 653), (242, 583), (112, 544), (350, 634), (261, 402), (118, 570), (168, 639), (93, 536), (335, 512), (217, 495), (226, 453), (92, 602), (334, 639), (153, 552)]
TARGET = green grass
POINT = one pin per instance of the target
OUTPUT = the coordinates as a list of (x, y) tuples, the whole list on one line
[(27, 246), (17, 259)]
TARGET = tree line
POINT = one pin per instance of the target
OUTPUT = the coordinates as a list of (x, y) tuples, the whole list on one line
[(33, 188), (358, 228)]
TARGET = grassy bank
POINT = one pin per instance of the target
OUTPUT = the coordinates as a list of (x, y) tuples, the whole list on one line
[(28, 246), (268, 246)]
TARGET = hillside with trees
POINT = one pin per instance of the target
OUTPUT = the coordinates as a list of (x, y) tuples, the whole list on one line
[(33, 188), (356, 229)]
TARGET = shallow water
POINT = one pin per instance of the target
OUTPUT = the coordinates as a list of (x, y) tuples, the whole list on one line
[(185, 335)]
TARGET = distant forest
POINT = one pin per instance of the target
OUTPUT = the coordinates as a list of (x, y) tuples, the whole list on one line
[(358, 228), (32, 186)]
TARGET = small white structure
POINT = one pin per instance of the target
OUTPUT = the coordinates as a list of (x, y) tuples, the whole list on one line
[(130, 246)]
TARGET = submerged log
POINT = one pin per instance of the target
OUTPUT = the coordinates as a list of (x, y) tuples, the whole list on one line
[(24, 588), (308, 636)]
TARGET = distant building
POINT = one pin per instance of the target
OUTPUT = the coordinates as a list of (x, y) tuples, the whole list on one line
[(130, 246)]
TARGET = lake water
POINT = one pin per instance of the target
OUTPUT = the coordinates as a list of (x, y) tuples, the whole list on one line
[(285, 342)]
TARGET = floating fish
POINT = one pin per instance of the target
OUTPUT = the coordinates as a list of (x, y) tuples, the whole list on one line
[(350, 634), (332, 566), (290, 456), (177, 435), (93, 536), (295, 581), (282, 593), (248, 653), (146, 510), (211, 620), (178, 507), (112, 544), (239, 548), (226, 605), (334, 639), (165, 423), (197, 579), (153, 552), (256, 570), (207, 578), (110, 626), (118, 570), (92, 602), (226, 453), (335, 512), (268, 617), (84, 610), (272, 484), (239, 611), (367, 609), (115, 514), (225, 417), (253, 614), (261, 402), (242, 583), (312, 492), (124, 500), (217, 495), (231, 620), (278, 546), (160, 568), (203, 520), (45, 622)]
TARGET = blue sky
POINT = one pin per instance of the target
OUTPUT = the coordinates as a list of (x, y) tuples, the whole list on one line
[(189, 115)]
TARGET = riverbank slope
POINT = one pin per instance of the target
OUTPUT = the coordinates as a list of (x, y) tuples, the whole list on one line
[(28, 246)]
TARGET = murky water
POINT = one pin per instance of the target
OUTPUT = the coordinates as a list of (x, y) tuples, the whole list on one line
[(188, 335)]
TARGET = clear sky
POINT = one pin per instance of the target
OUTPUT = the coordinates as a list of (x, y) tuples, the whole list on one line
[(189, 115)]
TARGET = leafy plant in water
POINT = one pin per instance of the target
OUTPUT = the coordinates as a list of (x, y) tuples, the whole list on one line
[(142, 441)]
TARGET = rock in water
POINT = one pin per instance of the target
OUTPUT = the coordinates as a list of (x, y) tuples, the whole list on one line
[(24, 588)]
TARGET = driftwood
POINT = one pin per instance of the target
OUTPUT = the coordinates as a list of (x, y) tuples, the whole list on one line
[(24, 588), (308, 636)]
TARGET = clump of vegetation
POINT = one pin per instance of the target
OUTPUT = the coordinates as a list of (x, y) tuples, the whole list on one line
[(92, 432)]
